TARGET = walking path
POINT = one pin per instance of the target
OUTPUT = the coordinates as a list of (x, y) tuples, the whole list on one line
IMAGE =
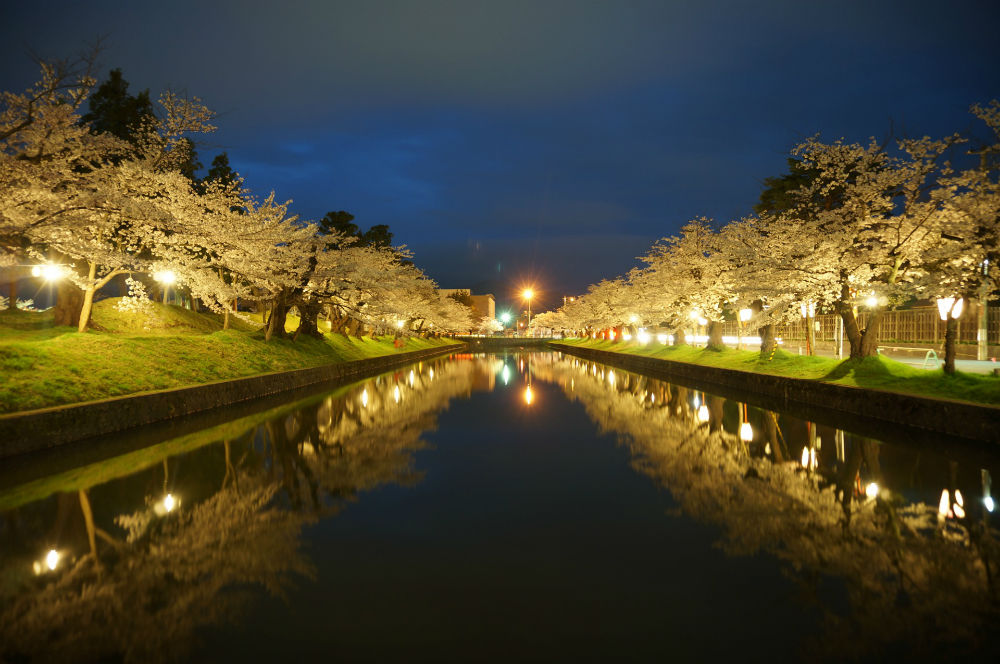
[(917, 358)]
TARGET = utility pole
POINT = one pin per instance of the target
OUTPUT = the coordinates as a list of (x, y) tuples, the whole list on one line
[(982, 334)]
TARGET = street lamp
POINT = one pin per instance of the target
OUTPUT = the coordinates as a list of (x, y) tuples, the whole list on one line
[(48, 272), (948, 305), (167, 278), (744, 316), (527, 295)]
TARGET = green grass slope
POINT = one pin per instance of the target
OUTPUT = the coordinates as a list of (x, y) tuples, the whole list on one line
[(42, 365), (877, 373)]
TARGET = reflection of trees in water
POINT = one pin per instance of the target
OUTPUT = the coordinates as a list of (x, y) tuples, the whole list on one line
[(142, 598), (915, 584), (354, 441), (142, 594)]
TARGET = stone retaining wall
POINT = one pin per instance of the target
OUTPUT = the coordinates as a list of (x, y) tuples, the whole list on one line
[(952, 418), (44, 428)]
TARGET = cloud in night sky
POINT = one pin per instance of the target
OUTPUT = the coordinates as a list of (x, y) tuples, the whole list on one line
[(556, 140)]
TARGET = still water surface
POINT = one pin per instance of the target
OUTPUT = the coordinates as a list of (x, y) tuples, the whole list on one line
[(530, 506)]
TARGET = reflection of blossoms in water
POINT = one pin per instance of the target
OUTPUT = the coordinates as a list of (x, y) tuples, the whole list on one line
[(178, 565), (144, 598), (915, 584)]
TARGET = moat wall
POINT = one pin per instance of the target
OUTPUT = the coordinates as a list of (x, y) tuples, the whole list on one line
[(951, 418), (45, 428)]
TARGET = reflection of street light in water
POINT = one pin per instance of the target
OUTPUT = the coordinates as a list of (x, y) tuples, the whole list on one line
[(529, 396), (746, 431), (47, 564), (167, 505), (987, 486)]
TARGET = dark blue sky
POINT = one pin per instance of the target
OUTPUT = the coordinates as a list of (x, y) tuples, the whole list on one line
[(507, 142)]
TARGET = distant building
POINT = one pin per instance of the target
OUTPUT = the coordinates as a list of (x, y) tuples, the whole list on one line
[(482, 305)]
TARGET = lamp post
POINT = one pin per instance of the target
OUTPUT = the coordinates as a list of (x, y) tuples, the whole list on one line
[(166, 278), (950, 309), (527, 295), (744, 316)]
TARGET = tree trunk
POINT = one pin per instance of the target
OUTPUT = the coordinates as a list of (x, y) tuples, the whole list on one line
[(225, 319), (88, 305), (851, 329), (771, 435), (279, 312), (715, 412), (869, 337), (810, 335), (715, 336), (950, 336), (88, 519), (768, 341), (69, 302), (308, 323), (12, 302), (680, 337), (88, 299)]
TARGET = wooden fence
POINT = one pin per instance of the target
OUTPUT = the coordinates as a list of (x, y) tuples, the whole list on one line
[(920, 325)]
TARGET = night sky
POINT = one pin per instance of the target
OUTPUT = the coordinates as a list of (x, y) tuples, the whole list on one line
[(514, 142)]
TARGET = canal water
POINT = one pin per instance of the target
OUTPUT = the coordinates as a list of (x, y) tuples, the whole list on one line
[(523, 506)]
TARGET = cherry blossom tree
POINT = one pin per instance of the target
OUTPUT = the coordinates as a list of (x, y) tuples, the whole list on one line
[(693, 274)]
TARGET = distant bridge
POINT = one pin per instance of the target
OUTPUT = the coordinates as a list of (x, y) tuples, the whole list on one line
[(491, 343)]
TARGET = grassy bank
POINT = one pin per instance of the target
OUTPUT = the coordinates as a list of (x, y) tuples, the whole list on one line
[(42, 365), (879, 373)]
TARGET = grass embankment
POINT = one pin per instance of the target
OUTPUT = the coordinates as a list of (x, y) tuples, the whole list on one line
[(42, 365), (877, 373)]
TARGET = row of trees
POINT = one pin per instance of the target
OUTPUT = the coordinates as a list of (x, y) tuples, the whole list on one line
[(849, 225), (114, 192)]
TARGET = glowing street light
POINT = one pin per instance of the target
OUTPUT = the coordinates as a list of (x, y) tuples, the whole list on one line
[(48, 272), (167, 278), (871, 491), (744, 316), (948, 305)]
